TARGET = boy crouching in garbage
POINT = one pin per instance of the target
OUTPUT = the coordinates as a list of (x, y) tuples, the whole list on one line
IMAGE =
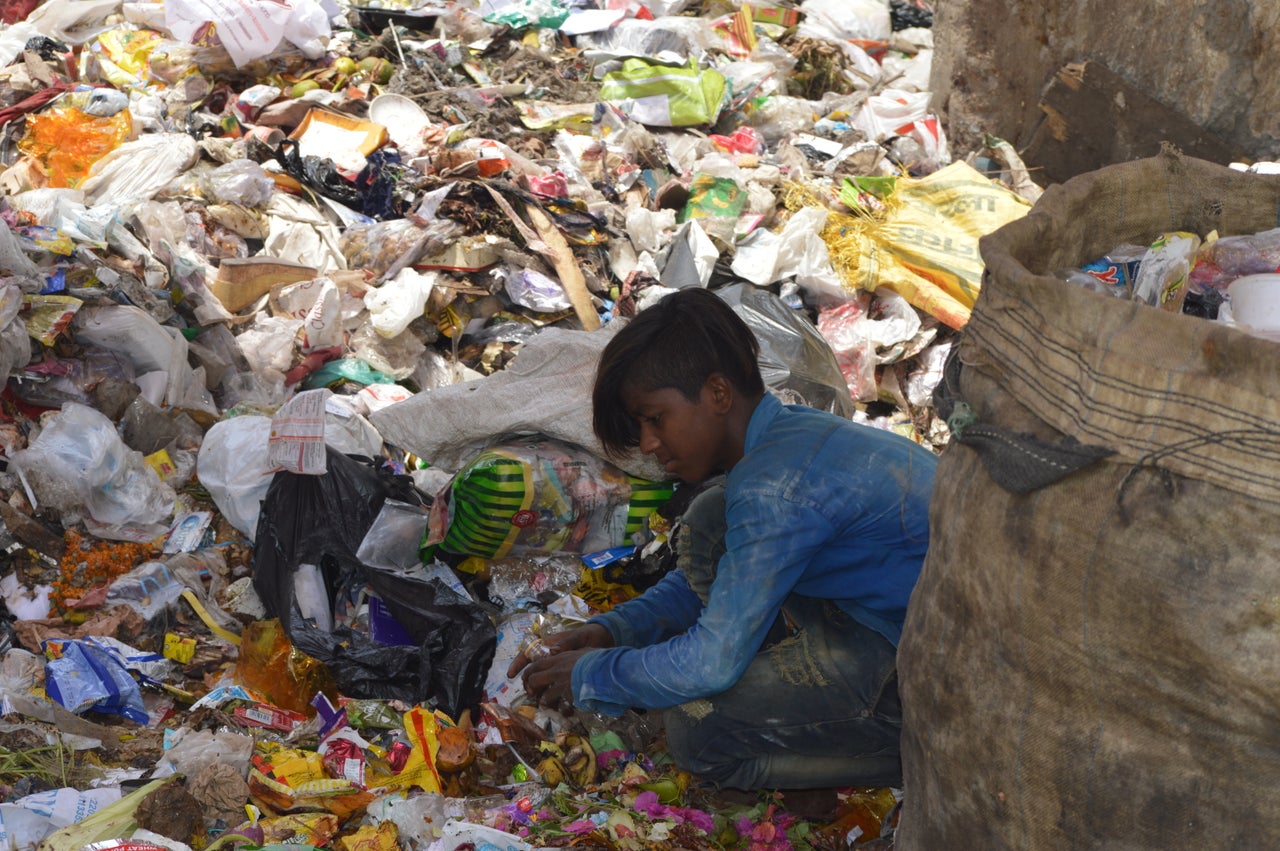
[(772, 645)]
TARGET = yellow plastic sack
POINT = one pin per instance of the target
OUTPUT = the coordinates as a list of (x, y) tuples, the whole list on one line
[(419, 770), (923, 244)]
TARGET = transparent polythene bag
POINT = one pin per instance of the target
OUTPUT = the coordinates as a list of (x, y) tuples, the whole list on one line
[(79, 463)]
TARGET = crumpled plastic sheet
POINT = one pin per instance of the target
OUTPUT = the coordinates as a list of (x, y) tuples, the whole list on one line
[(15, 345), (546, 390), (79, 462), (137, 170)]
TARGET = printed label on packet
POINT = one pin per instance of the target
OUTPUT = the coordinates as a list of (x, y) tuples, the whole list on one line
[(599, 559), (271, 717)]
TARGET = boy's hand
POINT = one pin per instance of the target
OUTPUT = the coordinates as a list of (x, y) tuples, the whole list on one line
[(549, 681), (586, 637)]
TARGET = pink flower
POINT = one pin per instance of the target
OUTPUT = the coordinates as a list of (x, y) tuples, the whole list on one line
[(767, 834), (647, 803), (700, 819)]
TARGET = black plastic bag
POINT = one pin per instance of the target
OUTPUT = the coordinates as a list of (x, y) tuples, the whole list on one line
[(321, 520), (363, 668), (378, 184), (319, 173), (454, 633)]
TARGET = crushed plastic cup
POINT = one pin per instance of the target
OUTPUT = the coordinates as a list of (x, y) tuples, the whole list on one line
[(490, 160), (1255, 301)]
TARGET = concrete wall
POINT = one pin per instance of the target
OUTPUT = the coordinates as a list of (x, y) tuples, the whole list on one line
[(1217, 63)]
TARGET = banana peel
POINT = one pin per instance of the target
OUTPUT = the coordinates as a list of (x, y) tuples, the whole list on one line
[(572, 762), (552, 772), (580, 761)]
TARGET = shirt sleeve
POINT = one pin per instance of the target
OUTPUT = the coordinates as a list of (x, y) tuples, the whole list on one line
[(668, 608), (769, 542)]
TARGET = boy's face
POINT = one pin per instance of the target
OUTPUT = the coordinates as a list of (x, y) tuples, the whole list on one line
[(689, 439)]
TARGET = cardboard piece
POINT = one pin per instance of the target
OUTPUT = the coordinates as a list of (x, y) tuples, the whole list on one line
[(242, 281), (323, 133)]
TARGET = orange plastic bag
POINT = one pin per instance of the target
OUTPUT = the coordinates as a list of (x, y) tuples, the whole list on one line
[(68, 141), (269, 663)]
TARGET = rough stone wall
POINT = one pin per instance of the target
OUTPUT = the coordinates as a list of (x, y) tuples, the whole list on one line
[(1217, 63)]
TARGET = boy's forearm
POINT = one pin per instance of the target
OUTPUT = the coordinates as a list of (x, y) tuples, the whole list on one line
[(667, 609)]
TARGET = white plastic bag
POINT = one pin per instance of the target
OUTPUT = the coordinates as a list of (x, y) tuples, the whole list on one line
[(317, 304), (298, 229), (15, 262), (781, 115), (650, 230), (841, 20), (235, 469), (891, 322), (396, 356), (690, 258), (73, 21), (257, 28), (241, 182), (165, 227), (268, 343), (78, 460), (910, 73), (28, 820), (191, 752), (890, 112), (479, 836), (65, 210), (150, 348), (13, 39), (765, 257), (399, 301), (138, 170), (24, 603), (547, 389)]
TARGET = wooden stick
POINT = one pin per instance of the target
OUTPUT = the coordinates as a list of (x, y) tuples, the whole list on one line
[(561, 257)]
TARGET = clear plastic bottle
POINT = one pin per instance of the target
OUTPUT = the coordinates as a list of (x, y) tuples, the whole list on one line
[(533, 647)]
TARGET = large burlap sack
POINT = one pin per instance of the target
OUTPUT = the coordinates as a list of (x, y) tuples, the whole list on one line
[(1091, 658)]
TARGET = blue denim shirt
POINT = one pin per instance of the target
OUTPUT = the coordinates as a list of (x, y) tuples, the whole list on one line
[(818, 506)]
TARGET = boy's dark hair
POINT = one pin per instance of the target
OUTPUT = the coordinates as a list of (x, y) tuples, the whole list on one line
[(679, 342)]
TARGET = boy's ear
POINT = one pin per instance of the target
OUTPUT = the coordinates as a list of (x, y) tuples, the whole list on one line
[(722, 393)]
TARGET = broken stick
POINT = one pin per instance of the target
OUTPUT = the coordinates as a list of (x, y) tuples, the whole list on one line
[(561, 257)]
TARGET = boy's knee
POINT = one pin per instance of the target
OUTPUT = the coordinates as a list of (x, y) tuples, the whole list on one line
[(699, 543), (706, 512), (688, 737)]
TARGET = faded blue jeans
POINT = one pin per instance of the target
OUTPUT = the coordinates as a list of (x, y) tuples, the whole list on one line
[(818, 705)]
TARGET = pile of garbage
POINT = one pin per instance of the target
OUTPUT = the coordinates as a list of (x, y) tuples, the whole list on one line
[(281, 283)]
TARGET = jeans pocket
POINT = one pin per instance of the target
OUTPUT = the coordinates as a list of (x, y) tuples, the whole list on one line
[(794, 662)]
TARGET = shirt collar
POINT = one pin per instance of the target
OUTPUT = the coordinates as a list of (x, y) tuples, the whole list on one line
[(768, 408)]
